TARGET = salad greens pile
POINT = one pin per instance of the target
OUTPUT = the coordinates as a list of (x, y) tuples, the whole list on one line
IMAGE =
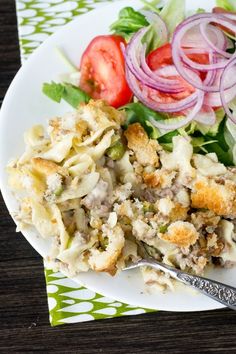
[(219, 138)]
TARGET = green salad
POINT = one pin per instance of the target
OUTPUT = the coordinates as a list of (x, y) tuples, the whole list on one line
[(171, 71)]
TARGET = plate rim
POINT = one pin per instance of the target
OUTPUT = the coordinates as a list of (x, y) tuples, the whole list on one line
[(8, 94)]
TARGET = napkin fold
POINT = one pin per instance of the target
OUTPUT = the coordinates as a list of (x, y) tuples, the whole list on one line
[(68, 302)]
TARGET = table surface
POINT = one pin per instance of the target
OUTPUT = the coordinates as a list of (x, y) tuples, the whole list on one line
[(24, 326)]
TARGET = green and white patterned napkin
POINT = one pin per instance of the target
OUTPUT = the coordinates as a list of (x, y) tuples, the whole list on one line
[(68, 302)]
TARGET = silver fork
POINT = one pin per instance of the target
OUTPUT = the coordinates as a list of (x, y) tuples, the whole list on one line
[(220, 292)]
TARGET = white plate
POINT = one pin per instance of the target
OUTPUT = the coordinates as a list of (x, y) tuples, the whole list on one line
[(25, 105)]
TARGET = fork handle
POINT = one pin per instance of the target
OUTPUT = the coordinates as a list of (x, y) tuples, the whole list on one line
[(220, 292)]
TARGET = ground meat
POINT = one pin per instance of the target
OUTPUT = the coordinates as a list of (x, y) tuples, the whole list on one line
[(163, 193)]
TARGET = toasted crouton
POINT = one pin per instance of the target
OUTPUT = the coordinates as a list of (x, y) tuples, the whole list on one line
[(98, 115), (160, 178), (145, 149), (105, 261), (152, 179), (47, 167), (208, 194), (179, 212), (181, 233), (112, 113)]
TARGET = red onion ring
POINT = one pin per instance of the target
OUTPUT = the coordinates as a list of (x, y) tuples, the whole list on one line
[(231, 16), (217, 87), (160, 26), (213, 99), (211, 75), (203, 30), (191, 116), (206, 116), (158, 106), (178, 56), (154, 74), (210, 17), (203, 67), (230, 64), (193, 38), (132, 58)]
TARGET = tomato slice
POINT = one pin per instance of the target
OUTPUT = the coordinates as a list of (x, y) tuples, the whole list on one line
[(103, 71), (162, 57)]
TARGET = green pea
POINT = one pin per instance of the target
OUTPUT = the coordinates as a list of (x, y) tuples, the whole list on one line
[(163, 229), (148, 207), (58, 191), (116, 151), (103, 242), (69, 242)]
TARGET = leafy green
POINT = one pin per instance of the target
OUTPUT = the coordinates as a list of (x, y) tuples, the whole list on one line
[(70, 93), (151, 5), (173, 13), (223, 156), (53, 91), (129, 22), (229, 5), (232, 43), (204, 139), (200, 10), (230, 132), (137, 112), (211, 130), (230, 138), (221, 148), (74, 95), (167, 138), (151, 39)]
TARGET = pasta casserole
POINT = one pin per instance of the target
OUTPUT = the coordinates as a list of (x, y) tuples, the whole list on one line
[(95, 189)]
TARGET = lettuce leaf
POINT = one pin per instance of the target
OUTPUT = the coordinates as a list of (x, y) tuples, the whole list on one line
[(229, 5), (230, 137), (221, 147), (129, 22), (211, 130), (70, 93), (137, 112), (204, 139), (230, 132), (152, 5), (151, 39), (173, 13)]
